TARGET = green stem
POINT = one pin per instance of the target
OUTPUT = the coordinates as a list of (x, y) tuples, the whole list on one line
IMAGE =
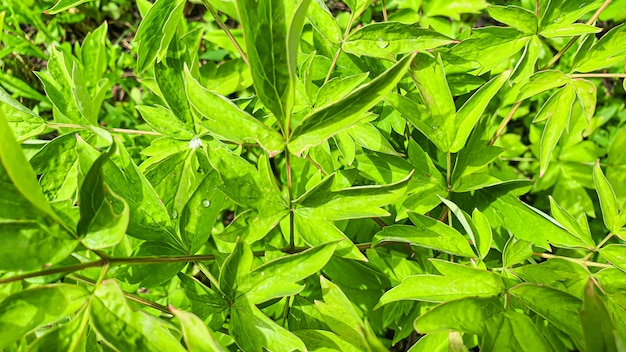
[(504, 122), (599, 75), (449, 170), (605, 240), (292, 239), (226, 30), (336, 57), (575, 260), (130, 296)]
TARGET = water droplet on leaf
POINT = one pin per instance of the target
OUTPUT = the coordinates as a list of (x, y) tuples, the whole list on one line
[(206, 203), (381, 43), (174, 215)]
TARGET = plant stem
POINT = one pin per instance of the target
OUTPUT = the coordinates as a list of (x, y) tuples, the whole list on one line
[(292, 236), (605, 240), (575, 260), (537, 8), (336, 57), (385, 16), (130, 296), (226, 30), (599, 75), (504, 122), (286, 311), (449, 170)]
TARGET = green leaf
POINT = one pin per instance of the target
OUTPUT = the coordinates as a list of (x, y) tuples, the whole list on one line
[(597, 326), (272, 34), (388, 39), (169, 76), (322, 340), (254, 331), (430, 79), (103, 214), (340, 315), (164, 121), (93, 54), (615, 254), (608, 201), (205, 302), (63, 5), (458, 282), (229, 122), (483, 233), (488, 47), (569, 222), (200, 212), (426, 232), (279, 277), (523, 221), (558, 307), (562, 13), (350, 203), (557, 110), (513, 331), (515, 16), (516, 251), (70, 337), (453, 9), (586, 94), (156, 31), (557, 273), (369, 137), (198, 337), (235, 269), (337, 88), (476, 312), (58, 82), (326, 122), (540, 82), (7, 99), (573, 30), (608, 51), (18, 170), (468, 115), (315, 231), (27, 310), (124, 328), (149, 219), (323, 21), (436, 342)]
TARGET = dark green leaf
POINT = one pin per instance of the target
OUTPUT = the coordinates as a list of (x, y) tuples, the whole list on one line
[(388, 39), (597, 326), (156, 31), (103, 214), (324, 123)]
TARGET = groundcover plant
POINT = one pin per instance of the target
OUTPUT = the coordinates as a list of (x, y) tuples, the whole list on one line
[(293, 175)]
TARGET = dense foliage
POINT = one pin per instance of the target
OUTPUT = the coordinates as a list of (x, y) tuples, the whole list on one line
[(304, 175)]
